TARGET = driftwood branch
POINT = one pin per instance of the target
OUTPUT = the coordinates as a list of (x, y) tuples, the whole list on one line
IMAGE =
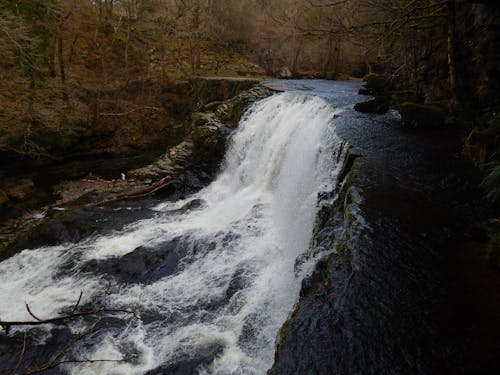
[(77, 302), (60, 319), (57, 357), (21, 355), (163, 183), (57, 360), (54, 364), (31, 313)]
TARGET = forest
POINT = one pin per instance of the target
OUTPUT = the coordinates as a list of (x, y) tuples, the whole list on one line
[(73, 66), (105, 103)]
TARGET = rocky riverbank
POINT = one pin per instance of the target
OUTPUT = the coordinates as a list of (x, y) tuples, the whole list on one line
[(214, 112)]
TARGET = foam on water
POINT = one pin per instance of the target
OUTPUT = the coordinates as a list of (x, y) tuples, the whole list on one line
[(235, 282)]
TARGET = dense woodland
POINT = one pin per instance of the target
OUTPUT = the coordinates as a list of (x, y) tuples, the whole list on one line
[(102, 76)]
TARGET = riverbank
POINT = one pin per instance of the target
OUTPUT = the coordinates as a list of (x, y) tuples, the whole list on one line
[(215, 109)]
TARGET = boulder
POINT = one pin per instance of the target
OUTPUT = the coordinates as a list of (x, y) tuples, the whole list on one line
[(380, 104), (422, 115), (378, 83), (285, 72), (172, 163)]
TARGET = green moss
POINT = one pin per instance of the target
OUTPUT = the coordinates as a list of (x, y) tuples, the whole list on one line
[(283, 331), (343, 195), (379, 83), (231, 111), (343, 248), (201, 132)]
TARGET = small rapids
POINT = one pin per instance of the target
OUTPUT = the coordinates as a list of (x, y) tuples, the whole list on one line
[(211, 278)]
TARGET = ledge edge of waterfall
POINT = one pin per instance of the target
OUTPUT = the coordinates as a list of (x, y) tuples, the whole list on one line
[(336, 221)]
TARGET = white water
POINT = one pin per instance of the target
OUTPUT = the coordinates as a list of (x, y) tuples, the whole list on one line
[(256, 218)]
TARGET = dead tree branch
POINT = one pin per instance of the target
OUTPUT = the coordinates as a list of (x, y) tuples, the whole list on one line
[(60, 319)]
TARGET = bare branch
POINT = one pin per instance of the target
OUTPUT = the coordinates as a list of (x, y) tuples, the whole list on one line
[(21, 355), (56, 358), (78, 302), (31, 313), (7, 325)]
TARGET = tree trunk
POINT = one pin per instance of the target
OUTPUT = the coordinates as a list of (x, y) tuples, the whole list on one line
[(109, 12), (72, 50), (60, 58), (52, 57), (295, 64)]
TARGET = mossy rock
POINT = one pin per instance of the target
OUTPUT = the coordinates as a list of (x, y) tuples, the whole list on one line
[(378, 83), (204, 134), (231, 111), (422, 115), (380, 104)]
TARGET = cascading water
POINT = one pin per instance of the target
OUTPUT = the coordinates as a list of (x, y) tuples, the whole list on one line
[(217, 273)]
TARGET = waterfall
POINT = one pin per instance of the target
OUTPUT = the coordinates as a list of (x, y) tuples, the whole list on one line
[(214, 276)]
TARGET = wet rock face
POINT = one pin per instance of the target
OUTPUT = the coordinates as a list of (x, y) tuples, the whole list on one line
[(175, 160), (189, 364), (380, 86), (72, 226), (380, 104)]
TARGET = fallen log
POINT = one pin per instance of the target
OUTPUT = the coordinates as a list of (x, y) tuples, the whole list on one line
[(136, 194)]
